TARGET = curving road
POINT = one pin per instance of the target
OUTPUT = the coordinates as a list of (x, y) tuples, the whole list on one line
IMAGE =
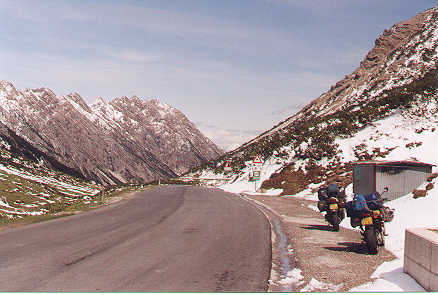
[(174, 238)]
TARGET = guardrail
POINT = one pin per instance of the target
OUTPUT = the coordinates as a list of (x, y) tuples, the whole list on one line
[(196, 178), (421, 257)]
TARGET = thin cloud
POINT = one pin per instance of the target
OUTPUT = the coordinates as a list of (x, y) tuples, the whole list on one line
[(227, 138), (131, 55), (287, 110), (140, 17)]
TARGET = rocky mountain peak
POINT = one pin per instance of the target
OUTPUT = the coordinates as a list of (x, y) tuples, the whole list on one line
[(136, 100), (110, 143), (402, 53), (76, 99), (7, 88), (98, 102)]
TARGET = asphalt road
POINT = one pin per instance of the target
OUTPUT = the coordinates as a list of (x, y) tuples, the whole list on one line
[(174, 238)]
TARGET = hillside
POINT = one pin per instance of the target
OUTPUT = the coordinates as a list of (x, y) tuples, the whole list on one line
[(29, 188), (125, 140), (386, 109)]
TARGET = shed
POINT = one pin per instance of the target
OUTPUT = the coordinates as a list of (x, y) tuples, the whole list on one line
[(401, 177)]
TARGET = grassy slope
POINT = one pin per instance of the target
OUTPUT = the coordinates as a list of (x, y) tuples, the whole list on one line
[(30, 192), (59, 210)]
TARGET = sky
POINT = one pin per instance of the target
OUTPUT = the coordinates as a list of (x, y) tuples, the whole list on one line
[(235, 67)]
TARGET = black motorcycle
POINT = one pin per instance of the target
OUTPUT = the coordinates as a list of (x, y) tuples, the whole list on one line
[(333, 206), (372, 222)]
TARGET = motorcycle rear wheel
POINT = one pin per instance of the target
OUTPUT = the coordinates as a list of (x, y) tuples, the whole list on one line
[(334, 220), (371, 239)]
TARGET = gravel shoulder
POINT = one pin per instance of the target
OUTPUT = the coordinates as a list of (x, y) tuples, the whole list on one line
[(338, 261)]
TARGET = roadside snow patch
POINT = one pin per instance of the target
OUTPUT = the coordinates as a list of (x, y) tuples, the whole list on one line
[(315, 285), (292, 277)]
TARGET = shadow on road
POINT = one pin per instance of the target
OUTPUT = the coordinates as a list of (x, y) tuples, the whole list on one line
[(359, 248), (318, 227)]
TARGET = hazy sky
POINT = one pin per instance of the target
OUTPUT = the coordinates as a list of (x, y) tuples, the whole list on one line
[(234, 67)]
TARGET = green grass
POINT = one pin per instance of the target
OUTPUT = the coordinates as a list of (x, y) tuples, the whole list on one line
[(59, 209)]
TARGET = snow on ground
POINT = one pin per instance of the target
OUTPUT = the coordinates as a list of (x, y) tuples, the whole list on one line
[(240, 183), (315, 285), (396, 131), (50, 181), (293, 277)]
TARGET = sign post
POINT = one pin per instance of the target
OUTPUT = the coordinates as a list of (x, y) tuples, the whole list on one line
[(257, 170), (256, 176)]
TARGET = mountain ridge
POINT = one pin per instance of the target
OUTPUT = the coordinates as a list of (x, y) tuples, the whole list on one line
[(103, 141)]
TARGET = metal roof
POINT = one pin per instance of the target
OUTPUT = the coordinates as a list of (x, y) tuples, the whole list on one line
[(394, 163)]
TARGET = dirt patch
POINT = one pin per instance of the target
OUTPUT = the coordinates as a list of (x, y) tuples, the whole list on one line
[(121, 197), (329, 258)]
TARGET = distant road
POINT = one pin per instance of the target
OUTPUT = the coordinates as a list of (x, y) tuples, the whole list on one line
[(174, 238)]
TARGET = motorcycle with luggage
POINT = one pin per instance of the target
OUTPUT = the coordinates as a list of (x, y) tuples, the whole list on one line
[(369, 214), (332, 201)]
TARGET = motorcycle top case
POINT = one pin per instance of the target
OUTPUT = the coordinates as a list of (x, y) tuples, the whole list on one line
[(371, 197), (322, 194), (332, 190)]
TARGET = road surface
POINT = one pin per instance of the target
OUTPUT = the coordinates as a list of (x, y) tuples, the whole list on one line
[(174, 238)]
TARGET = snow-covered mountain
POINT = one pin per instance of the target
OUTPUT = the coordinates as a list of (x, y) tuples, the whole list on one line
[(387, 108), (126, 140)]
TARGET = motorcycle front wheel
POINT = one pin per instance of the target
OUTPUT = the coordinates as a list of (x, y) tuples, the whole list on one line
[(380, 238)]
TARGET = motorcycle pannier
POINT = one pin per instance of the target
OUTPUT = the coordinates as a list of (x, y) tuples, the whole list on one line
[(322, 205), (349, 208), (359, 202)]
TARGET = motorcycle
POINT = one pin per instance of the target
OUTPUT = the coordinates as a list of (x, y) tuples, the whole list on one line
[(372, 223), (332, 201), (335, 212)]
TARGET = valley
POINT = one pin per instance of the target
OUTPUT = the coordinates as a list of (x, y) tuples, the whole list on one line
[(150, 204)]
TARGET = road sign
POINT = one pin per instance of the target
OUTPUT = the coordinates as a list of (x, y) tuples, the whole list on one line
[(256, 175), (257, 160), (227, 166)]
